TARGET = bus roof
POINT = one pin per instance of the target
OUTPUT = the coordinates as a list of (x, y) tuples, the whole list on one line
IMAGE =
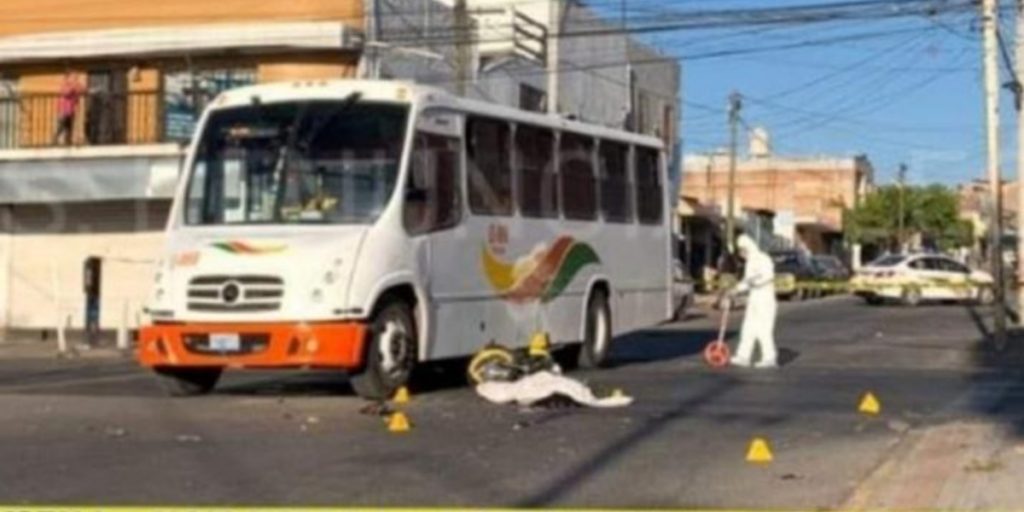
[(409, 92)]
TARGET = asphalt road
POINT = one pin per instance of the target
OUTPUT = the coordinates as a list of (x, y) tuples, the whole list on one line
[(98, 431)]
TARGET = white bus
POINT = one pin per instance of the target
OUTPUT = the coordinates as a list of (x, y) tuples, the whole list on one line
[(367, 226)]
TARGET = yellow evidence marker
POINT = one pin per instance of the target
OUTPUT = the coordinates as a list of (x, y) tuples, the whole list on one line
[(401, 396), (398, 423), (759, 451), (869, 404)]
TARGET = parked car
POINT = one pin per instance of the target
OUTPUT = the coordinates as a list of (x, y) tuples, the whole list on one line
[(795, 275), (831, 271), (915, 278)]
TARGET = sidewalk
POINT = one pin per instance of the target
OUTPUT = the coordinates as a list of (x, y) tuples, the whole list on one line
[(35, 349), (963, 465)]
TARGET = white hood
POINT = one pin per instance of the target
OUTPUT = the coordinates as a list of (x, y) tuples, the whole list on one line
[(258, 274)]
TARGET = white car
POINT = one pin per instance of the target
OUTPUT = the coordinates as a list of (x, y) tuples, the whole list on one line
[(912, 279)]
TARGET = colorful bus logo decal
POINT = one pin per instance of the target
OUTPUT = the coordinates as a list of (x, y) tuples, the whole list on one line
[(543, 274), (237, 247)]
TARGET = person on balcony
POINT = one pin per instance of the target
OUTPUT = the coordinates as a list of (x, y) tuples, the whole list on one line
[(70, 96)]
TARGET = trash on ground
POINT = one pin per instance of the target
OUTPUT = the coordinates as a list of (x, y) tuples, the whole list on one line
[(898, 426), (115, 432), (983, 466), (188, 438), (376, 409)]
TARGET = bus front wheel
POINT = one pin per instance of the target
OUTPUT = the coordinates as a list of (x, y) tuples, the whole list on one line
[(390, 354), (598, 334), (188, 381)]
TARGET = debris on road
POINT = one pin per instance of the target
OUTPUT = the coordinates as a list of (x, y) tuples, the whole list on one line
[(376, 409), (899, 426), (115, 432), (188, 438), (983, 465)]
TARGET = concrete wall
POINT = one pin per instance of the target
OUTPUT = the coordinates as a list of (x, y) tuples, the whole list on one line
[(48, 243)]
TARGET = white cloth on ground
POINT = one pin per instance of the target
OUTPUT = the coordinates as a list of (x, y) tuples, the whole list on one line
[(540, 386)]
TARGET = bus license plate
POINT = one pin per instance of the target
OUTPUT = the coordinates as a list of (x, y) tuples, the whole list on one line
[(225, 342)]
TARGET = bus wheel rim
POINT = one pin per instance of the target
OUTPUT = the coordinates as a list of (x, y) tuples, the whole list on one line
[(393, 347), (601, 331)]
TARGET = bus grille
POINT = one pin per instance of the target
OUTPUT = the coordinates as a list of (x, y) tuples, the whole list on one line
[(235, 293)]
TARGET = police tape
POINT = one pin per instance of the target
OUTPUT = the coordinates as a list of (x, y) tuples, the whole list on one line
[(784, 286)]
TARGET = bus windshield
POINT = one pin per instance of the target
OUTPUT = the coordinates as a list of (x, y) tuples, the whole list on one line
[(318, 162)]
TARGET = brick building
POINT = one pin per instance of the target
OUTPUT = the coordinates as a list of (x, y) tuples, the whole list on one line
[(807, 194)]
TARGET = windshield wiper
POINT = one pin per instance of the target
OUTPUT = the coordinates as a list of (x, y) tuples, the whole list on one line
[(293, 143)]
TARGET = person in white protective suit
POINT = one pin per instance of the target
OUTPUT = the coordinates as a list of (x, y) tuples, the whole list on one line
[(759, 319)]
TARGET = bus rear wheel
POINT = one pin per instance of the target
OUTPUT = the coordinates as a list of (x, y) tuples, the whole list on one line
[(188, 381), (390, 353), (597, 339)]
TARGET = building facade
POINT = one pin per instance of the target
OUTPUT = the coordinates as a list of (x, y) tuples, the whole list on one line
[(102, 185), (808, 195)]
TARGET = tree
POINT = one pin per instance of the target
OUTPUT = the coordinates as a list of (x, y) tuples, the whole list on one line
[(931, 211)]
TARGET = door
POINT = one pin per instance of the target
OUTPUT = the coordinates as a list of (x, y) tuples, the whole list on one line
[(958, 278), (941, 284), (106, 110), (432, 215), (9, 113)]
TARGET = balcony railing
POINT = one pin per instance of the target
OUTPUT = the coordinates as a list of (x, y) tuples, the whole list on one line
[(33, 120)]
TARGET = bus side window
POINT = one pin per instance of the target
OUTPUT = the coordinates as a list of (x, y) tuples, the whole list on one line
[(648, 186), (489, 174), (538, 190), (579, 194), (616, 194), (432, 190)]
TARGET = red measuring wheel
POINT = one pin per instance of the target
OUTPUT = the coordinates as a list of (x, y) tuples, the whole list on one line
[(716, 354)]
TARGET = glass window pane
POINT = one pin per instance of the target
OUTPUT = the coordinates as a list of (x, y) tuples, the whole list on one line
[(538, 189), (297, 162), (579, 191), (489, 174), (616, 188), (648, 186), (432, 200)]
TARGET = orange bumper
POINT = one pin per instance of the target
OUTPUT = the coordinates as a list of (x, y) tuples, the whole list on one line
[(271, 345)]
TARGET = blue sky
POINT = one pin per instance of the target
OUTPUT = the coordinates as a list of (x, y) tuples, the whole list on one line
[(912, 95)]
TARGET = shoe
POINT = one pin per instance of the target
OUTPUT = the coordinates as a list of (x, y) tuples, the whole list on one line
[(735, 361), (766, 364)]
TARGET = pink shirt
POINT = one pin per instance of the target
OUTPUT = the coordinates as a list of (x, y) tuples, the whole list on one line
[(70, 92)]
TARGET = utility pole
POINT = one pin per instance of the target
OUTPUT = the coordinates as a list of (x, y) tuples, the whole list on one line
[(735, 103), (990, 23), (462, 46), (1017, 81), (554, 34), (902, 180)]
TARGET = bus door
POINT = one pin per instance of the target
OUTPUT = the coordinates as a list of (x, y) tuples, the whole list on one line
[(432, 216)]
